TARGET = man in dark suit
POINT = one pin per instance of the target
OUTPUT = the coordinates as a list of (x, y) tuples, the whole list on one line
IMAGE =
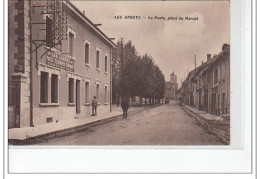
[(94, 106), (125, 106)]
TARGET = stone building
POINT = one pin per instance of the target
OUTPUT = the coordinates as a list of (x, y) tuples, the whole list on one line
[(171, 87), (207, 87), (58, 60)]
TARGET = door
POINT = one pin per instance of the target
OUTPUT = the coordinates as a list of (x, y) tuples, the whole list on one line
[(218, 108), (191, 99), (13, 121), (206, 102), (200, 103), (223, 104), (213, 103), (77, 96)]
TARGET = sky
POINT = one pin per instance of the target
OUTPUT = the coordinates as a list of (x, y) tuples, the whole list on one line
[(171, 43)]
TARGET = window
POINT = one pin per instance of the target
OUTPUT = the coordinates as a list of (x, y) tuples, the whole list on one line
[(71, 90), (87, 92), (97, 59), (97, 91), (224, 71), (71, 44), (44, 87), (220, 72), (216, 77), (86, 53), (54, 88), (49, 33), (105, 63), (105, 94), (209, 78)]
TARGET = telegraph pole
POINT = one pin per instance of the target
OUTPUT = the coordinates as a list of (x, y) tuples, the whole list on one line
[(122, 65), (122, 52)]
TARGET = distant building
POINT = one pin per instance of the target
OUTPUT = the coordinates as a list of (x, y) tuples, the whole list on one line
[(207, 87), (171, 87), (57, 61)]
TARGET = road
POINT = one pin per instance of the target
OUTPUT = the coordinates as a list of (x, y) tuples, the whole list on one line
[(167, 124)]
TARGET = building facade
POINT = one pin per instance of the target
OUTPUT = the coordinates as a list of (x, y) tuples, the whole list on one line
[(207, 87), (171, 87), (60, 60)]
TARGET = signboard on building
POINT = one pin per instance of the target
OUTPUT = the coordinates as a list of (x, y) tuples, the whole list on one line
[(59, 61)]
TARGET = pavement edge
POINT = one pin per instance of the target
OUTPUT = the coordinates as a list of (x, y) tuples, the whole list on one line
[(224, 138)]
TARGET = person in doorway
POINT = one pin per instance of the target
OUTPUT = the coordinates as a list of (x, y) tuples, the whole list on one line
[(94, 106), (125, 106)]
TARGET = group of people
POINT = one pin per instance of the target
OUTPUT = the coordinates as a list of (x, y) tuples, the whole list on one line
[(124, 104)]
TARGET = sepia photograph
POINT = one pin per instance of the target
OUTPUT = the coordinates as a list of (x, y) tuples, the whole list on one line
[(120, 73)]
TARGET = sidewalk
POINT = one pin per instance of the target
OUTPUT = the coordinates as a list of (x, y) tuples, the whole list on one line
[(214, 124), (49, 128), (203, 114), (27, 135)]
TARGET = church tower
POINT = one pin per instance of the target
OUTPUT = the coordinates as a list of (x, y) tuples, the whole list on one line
[(173, 78), (171, 87)]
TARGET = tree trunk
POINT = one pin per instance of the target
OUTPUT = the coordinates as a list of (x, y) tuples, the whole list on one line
[(140, 99)]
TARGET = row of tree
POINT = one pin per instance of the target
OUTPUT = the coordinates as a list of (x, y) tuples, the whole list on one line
[(135, 75)]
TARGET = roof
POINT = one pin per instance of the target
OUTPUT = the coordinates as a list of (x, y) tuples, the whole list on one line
[(201, 69), (192, 73), (88, 22), (205, 66), (215, 59)]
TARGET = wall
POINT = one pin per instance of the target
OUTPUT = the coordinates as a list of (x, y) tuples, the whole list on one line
[(63, 110), (19, 60)]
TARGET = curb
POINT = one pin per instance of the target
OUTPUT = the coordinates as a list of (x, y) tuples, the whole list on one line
[(225, 139), (60, 133), (71, 130)]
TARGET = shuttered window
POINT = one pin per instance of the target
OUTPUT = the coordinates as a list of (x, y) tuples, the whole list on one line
[(44, 87)]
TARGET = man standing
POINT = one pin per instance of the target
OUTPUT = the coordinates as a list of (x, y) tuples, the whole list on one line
[(125, 106), (94, 106)]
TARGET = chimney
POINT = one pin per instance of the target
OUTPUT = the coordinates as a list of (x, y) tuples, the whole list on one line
[(84, 12), (208, 57), (224, 46), (202, 63)]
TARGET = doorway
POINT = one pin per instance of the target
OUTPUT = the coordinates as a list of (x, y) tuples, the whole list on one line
[(200, 101), (13, 121), (213, 103), (206, 101)]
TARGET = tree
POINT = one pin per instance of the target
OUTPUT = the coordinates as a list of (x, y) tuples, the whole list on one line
[(134, 75), (116, 70)]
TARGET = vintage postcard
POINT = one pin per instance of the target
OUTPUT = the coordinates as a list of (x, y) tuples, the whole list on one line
[(88, 77), (118, 73)]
